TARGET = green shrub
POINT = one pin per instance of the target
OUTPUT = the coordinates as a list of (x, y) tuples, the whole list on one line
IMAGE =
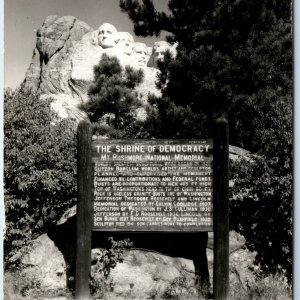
[(39, 167), (265, 288), (261, 205), (107, 260)]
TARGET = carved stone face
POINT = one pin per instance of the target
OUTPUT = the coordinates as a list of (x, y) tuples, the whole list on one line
[(141, 54), (107, 35), (159, 49), (126, 42)]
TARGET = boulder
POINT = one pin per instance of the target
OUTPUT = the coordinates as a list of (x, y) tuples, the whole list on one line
[(150, 275), (41, 271), (143, 274)]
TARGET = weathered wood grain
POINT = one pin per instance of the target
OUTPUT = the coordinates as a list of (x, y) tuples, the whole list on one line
[(221, 210), (83, 251)]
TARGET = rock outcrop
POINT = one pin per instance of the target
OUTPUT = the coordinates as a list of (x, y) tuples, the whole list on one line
[(66, 51), (142, 275), (41, 272), (50, 69)]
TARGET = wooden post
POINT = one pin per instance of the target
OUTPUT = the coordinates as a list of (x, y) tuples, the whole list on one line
[(221, 210), (84, 186)]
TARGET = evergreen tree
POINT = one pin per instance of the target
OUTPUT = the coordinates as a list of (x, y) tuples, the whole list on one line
[(234, 58), (232, 55), (113, 104)]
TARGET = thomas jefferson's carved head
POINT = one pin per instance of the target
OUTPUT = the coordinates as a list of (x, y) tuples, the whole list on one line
[(141, 54), (107, 35), (125, 42)]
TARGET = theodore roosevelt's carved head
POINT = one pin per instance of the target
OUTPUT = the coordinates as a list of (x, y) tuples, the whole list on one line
[(107, 35)]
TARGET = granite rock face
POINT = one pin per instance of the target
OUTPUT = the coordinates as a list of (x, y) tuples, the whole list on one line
[(49, 71), (66, 51)]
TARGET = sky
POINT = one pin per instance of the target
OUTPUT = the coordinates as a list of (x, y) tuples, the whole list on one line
[(23, 17)]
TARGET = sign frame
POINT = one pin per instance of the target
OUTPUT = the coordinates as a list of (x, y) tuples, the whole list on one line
[(220, 210)]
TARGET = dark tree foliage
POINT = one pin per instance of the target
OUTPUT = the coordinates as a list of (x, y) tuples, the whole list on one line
[(234, 58), (39, 167), (261, 206), (113, 103), (231, 56)]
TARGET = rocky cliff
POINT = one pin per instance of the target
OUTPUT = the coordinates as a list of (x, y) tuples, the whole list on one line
[(66, 51)]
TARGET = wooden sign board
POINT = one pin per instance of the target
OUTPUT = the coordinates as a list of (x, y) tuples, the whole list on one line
[(152, 185), (156, 185)]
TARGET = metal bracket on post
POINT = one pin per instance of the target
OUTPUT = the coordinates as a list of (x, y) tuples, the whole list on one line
[(84, 175), (221, 210)]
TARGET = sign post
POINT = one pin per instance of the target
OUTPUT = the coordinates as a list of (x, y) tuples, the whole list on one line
[(221, 210), (84, 182)]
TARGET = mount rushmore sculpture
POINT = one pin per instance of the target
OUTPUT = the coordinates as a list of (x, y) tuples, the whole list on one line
[(66, 51)]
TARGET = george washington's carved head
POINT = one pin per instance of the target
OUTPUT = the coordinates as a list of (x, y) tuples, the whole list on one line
[(107, 35)]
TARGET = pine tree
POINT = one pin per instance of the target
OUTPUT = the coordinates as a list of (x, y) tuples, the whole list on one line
[(113, 104), (234, 58), (231, 56)]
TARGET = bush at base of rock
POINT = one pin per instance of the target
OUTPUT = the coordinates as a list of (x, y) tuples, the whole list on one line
[(103, 261), (141, 275)]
